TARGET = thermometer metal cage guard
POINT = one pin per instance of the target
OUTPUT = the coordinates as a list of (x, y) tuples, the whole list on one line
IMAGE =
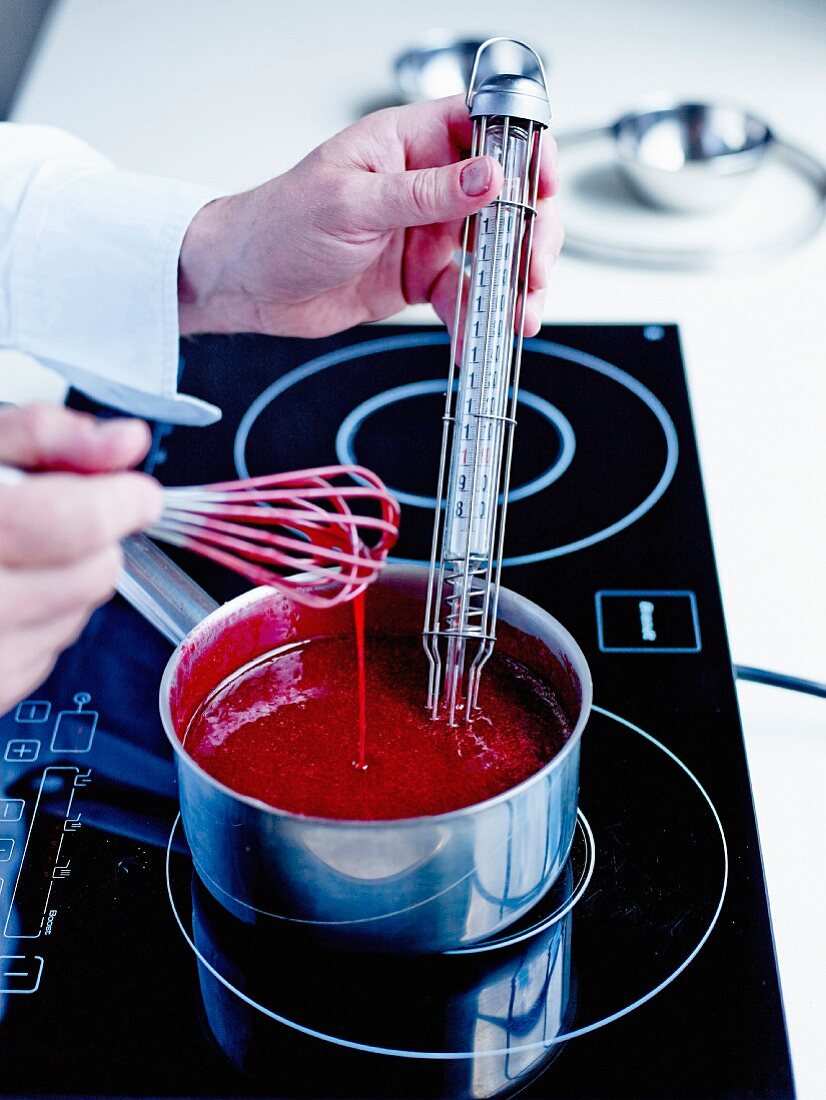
[(509, 115)]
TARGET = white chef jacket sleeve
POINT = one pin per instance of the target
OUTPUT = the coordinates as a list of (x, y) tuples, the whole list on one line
[(89, 271)]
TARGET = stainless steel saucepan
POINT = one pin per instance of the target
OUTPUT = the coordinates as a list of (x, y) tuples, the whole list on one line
[(423, 884)]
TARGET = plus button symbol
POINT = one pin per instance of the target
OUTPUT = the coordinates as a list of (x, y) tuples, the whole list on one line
[(22, 749)]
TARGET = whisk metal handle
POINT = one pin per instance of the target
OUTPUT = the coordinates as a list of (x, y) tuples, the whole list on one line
[(158, 589)]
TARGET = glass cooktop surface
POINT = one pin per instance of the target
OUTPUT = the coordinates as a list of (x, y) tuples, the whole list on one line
[(647, 971)]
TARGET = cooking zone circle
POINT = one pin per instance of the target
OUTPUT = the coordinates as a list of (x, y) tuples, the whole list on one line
[(345, 439), (622, 464), (647, 910)]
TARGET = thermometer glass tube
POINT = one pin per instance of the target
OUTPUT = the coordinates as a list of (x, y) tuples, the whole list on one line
[(484, 375)]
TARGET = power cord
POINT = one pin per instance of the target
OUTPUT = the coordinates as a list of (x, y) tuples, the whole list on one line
[(780, 680)]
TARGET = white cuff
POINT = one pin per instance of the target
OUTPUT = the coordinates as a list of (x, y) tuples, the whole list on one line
[(94, 284)]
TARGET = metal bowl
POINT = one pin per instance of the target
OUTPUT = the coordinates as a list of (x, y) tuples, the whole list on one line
[(690, 157), (441, 65)]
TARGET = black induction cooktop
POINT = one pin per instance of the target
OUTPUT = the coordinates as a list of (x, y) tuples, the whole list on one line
[(648, 971)]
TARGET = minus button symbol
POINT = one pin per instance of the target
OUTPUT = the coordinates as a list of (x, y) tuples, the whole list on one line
[(19, 980)]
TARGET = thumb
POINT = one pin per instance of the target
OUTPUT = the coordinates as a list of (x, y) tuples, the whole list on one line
[(424, 196)]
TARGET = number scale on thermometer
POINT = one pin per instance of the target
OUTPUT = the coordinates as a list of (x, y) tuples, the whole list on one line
[(509, 114), (485, 378)]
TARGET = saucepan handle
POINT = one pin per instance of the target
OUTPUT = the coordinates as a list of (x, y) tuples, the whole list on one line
[(164, 594)]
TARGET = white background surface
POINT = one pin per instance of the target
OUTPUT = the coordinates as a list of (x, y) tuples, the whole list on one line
[(228, 94)]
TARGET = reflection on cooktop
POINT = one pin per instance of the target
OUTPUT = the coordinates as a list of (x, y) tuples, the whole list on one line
[(639, 897)]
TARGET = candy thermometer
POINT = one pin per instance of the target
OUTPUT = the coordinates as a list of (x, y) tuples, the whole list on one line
[(509, 114)]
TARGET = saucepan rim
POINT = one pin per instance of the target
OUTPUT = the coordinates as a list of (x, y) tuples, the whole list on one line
[(507, 598)]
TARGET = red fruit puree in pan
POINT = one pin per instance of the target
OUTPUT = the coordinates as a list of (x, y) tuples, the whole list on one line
[(287, 731)]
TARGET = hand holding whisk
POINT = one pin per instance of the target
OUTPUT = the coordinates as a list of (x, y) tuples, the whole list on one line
[(300, 522), (296, 532)]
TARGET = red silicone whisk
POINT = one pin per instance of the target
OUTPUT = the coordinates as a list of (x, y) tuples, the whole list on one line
[(302, 532)]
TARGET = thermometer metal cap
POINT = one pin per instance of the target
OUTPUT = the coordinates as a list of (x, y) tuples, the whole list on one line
[(511, 97)]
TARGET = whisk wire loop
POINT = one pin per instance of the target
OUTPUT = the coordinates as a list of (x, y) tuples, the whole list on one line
[(294, 531)]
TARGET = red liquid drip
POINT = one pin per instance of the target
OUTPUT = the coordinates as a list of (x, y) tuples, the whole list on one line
[(358, 623), (284, 731)]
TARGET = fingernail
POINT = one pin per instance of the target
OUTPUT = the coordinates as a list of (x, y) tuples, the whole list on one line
[(119, 425), (475, 177), (123, 434)]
